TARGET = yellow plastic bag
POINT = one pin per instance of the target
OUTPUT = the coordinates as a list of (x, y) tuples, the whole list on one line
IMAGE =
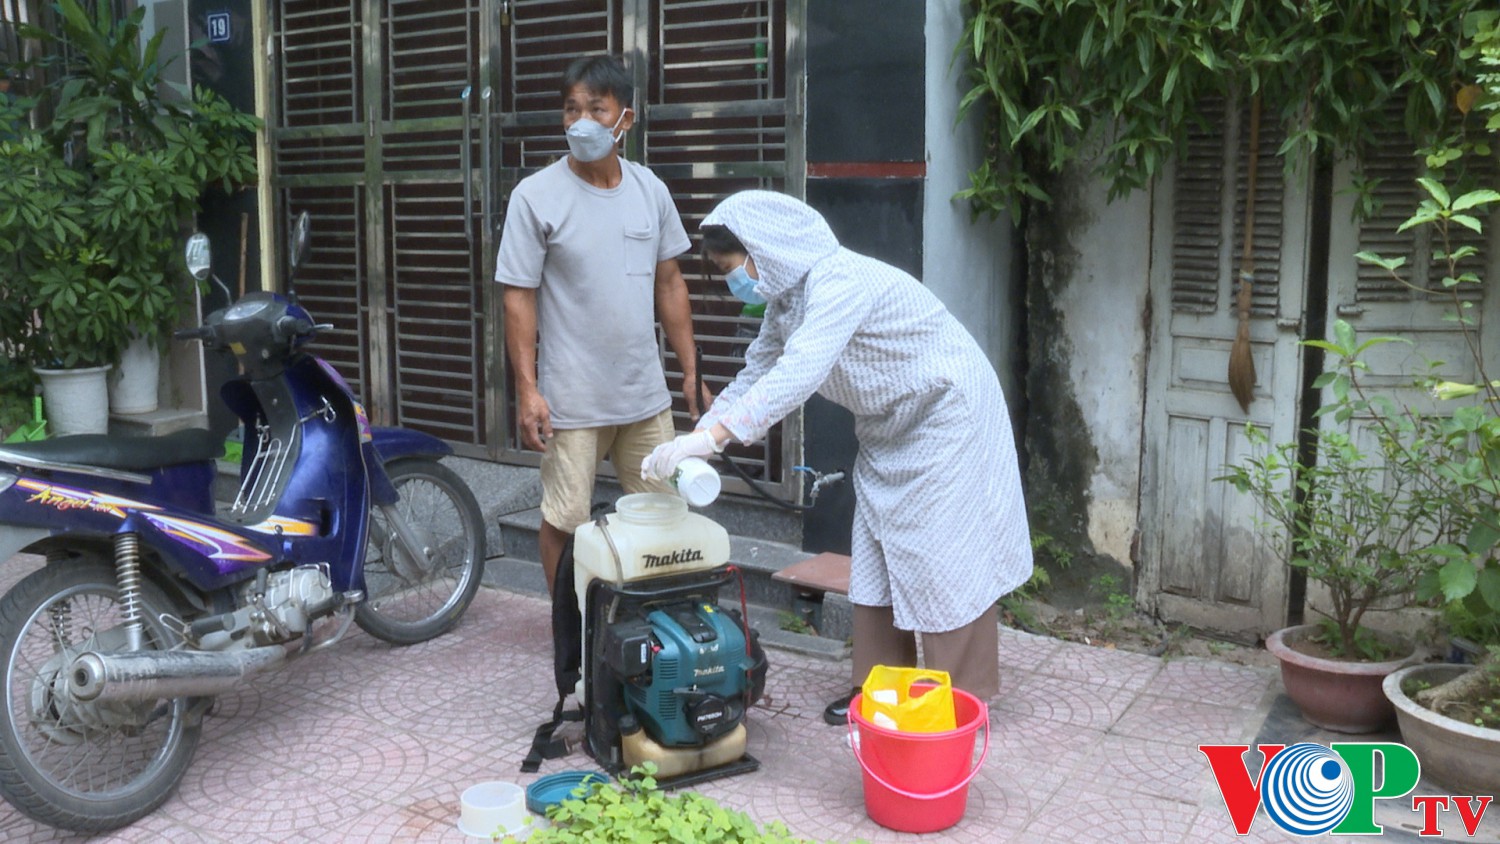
[(887, 692)]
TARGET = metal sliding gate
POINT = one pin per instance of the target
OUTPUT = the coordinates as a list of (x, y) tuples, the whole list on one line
[(403, 125), (367, 136)]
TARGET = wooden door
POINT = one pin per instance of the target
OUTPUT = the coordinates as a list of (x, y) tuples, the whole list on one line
[(1203, 562), (1422, 311)]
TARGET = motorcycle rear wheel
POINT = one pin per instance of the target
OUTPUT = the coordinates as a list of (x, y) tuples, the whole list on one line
[(409, 600), (83, 767)]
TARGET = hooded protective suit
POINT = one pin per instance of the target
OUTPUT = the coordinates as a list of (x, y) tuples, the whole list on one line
[(940, 528)]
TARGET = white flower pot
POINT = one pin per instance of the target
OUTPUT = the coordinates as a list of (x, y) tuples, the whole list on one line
[(133, 383), (76, 401), (1455, 755)]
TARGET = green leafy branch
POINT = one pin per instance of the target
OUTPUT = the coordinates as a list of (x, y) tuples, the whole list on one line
[(1457, 452), (1058, 81), (93, 198), (1352, 520), (635, 810)]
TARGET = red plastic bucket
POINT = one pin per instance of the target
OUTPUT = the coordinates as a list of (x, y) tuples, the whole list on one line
[(919, 782)]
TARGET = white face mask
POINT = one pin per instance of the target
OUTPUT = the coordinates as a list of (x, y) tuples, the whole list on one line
[(588, 140)]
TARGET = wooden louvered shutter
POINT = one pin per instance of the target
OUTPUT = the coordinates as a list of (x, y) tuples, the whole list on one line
[(1392, 169), (1198, 225), (1207, 235)]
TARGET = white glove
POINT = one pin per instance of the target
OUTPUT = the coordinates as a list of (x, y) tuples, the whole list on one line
[(662, 461)]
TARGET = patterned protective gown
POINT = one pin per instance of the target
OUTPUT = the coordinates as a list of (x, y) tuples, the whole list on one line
[(940, 528)]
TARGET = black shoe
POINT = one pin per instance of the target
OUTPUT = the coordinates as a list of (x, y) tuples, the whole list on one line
[(837, 713)]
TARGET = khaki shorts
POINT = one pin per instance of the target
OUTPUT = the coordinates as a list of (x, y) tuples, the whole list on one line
[(572, 457)]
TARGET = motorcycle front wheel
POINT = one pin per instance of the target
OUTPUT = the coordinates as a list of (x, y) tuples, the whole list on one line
[(416, 594), (94, 766)]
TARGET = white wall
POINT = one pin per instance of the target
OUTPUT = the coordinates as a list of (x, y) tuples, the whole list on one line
[(1102, 304), (170, 15), (1101, 300), (967, 264)]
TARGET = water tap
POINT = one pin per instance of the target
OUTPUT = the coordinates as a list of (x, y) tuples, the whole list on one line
[(820, 479)]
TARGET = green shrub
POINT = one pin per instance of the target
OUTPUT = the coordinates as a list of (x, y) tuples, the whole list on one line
[(99, 171), (1122, 84), (1360, 521), (17, 385), (636, 811)]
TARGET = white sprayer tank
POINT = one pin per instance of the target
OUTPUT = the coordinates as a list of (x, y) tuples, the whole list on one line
[(654, 534)]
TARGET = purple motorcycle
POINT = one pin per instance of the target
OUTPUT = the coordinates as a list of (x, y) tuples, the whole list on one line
[(154, 599)]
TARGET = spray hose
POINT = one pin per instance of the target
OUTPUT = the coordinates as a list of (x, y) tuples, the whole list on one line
[(745, 628)]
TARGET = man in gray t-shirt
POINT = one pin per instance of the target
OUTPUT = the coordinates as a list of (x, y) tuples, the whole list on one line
[(588, 258)]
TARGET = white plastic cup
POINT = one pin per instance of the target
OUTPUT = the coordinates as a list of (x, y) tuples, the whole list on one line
[(697, 482), (491, 807)]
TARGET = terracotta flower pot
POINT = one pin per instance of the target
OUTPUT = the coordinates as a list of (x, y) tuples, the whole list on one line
[(1456, 755), (1340, 695)]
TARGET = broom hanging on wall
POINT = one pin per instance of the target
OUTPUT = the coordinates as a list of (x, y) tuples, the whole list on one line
[(1241, 363)]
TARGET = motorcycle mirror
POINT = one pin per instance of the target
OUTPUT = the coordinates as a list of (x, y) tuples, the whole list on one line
[(301, 240), (198, 255)]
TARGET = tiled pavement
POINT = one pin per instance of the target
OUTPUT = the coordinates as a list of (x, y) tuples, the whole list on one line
[(365, 742)]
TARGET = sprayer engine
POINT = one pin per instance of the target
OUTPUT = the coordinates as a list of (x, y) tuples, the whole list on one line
[(685, 670)]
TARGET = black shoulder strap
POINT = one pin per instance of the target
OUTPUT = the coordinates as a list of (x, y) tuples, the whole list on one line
[(567, 626), (567, 657), (543, 745)]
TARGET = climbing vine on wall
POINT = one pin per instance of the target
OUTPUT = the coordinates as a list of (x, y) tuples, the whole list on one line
[(1119, 81)]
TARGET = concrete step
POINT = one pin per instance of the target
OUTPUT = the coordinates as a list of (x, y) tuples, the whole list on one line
[(499, 489), (758, 559), (763, 541)]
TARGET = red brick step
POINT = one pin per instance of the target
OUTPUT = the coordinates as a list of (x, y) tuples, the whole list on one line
[(825, 572)]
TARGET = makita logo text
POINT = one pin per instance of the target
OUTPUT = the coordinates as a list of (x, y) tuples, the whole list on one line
[(686, 555), (708, 672)]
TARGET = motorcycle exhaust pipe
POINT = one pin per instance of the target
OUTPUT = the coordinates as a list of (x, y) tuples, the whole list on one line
[(147, 675)]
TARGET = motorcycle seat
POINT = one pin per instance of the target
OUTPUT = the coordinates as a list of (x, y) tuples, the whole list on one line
[(131, 454)]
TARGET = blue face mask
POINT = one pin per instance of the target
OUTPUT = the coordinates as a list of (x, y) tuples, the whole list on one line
[(743, 286)]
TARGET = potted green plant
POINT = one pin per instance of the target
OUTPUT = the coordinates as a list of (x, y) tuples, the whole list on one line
[(1450, 714), (59, 318), (111, 166), (1458, 739), (1358, 521)]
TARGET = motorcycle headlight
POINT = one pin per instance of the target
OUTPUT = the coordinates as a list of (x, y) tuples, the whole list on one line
[(245, 308)]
